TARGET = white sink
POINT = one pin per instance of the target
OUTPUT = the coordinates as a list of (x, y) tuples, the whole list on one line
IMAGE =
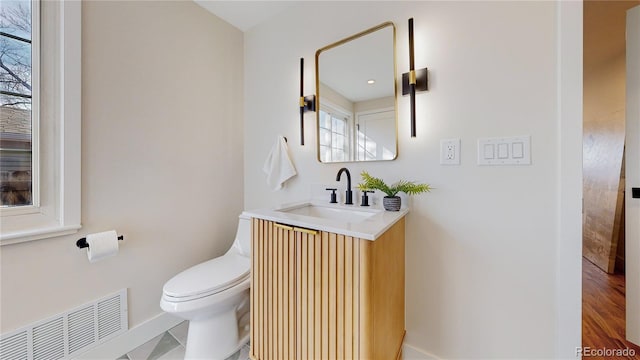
[(341, 213), (350, 220)]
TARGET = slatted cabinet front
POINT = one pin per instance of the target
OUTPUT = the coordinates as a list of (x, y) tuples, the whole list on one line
[(310, 295)]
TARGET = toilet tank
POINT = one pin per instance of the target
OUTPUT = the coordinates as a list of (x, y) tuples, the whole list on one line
[(242, 243)]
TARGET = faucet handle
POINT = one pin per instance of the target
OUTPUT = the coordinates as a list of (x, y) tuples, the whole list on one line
[(333, 195), (365, 198)]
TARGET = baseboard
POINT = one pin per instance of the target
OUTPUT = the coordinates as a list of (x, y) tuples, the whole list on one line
[(131, 339), (155, 326), (413, 353)]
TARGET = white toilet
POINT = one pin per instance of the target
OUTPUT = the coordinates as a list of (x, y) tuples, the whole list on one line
[(214, 297)]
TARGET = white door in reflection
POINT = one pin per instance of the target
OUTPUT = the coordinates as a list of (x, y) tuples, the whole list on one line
[(376, 135)]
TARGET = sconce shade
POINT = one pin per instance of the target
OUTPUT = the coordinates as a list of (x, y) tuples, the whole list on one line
[(307, 103), (411, 59), (301, 101), (413, 80)]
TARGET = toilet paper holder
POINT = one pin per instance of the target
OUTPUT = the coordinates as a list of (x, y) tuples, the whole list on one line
[(82, 243)]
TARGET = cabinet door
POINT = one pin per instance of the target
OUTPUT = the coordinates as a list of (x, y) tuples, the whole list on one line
[(273, 296), (328, 283), (305, 294)]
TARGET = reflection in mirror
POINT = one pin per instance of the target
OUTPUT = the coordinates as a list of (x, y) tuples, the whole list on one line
[(356, 97)]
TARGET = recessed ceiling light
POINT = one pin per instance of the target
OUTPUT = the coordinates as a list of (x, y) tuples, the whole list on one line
[(371, 81)]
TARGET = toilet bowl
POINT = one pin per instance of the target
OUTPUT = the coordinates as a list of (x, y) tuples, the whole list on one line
[(214, 297)]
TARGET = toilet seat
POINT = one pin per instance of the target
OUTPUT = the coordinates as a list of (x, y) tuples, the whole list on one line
[(208, 278)]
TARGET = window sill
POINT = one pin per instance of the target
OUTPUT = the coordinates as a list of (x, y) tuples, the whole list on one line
[(36, 228), (37, 234)]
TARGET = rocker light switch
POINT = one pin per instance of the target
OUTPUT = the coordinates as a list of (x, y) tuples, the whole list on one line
[(505, 151)]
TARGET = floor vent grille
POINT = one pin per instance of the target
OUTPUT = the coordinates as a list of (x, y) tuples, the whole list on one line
[(68, 334)]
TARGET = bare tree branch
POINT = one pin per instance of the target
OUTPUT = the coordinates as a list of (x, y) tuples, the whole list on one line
[(15, 57), (15, 103), (18, 18), (14, 75)]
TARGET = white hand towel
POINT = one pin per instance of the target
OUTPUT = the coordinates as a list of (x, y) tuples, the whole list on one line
[(278, 166)]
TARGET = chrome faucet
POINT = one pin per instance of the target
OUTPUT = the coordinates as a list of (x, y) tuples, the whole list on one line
[(349, 194)]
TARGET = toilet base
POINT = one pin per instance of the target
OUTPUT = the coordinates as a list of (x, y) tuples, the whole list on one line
[(217, 337), (205, 345)]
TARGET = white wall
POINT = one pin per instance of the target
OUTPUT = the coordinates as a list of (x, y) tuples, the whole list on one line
[(482, 265), (162, 160)]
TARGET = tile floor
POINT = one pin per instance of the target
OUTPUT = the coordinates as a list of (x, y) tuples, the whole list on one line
[(170, 346)]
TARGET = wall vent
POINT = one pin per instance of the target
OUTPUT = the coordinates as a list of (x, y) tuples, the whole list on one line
[(68, 334), (48, 340), (108, 317), (81, 329), (14, 346)]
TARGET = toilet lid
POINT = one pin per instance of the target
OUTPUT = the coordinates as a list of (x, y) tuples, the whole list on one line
[(209, 277)]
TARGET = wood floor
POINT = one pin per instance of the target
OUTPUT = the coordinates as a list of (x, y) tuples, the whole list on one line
[(603, 310)]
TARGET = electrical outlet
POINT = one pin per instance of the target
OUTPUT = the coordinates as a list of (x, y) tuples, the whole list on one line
[(450, 152)]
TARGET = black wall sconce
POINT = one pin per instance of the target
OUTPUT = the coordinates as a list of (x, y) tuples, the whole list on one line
[(307, 103), (414, 80)]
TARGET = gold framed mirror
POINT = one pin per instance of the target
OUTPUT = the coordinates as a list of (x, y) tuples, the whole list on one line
[(356, 94)]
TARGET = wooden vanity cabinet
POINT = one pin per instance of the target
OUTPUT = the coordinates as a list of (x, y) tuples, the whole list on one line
[(320, 295)]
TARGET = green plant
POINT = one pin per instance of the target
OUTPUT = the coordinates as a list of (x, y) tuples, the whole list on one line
[(407, 187)]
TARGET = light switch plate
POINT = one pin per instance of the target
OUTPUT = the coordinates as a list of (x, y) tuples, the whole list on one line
[(514, 150), (450, 152)]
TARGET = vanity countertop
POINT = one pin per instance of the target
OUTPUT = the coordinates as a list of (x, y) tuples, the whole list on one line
[(349, 220)]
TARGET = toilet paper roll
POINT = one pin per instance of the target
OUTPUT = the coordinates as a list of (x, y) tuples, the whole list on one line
[(102, 245)]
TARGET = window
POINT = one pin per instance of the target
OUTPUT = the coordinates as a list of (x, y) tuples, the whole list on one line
[(335, 137), (39, 119), (19, 44)]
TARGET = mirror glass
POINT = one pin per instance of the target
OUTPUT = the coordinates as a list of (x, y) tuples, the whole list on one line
[(356, 97)]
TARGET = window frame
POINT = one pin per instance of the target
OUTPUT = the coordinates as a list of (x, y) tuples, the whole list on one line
[(332, 109), (58, 145)]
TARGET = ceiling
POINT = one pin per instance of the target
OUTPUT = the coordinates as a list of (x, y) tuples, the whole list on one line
[(348, 80), (603, 22), (246, 14)]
